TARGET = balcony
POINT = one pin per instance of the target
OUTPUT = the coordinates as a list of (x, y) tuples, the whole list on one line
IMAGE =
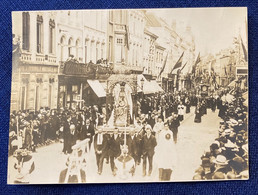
[(45, 59), (25, 57), (40, 58), (52, 59)]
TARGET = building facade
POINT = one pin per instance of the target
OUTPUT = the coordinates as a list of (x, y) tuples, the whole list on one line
[(65, 55), (82, 45), (125, 40), (149, 52), (34, 80)]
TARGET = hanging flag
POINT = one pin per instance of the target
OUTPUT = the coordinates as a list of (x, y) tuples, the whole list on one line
[(179, 63), (127, 36), (198, 60), (164, 64), (244, 50), (183, 66)]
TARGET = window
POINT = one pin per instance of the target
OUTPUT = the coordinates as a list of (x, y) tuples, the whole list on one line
[(70, 47), (39, 34), (102, 51), (37, 98), (25, 30), (51, 35), (119, 50), (62, 49), (119, 41), (49, 95), (77, 49), (23, 97)]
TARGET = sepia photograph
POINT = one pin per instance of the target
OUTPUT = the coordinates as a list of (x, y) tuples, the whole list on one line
[(129, 96)]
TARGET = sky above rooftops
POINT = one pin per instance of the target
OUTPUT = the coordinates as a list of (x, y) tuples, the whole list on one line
[(213, 28)]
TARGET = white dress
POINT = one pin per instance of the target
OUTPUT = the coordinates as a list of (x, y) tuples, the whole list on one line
[(166, 151)]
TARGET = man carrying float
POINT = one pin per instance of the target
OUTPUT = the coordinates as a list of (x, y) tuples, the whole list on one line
[(120, 92)]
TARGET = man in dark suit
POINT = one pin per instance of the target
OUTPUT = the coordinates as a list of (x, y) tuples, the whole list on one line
[(100, 146), (54, 125), (114, 144), (88, 131), (148, 143), (133, 142), (72, 138), (66, 132), (151, 120), (173, 124)]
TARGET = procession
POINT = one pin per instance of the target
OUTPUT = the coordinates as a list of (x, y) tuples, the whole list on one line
[(105, 120)]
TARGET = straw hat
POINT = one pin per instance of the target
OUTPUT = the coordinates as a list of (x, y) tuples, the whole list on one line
[(220, 160)]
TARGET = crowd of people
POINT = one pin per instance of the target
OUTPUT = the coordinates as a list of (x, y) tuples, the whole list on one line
[(227, 157), (32, 129), (154, 128)]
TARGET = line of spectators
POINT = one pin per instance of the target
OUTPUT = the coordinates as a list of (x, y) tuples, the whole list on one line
[(32, 129), (228, 154)]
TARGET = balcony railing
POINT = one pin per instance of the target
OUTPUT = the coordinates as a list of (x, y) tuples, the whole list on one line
[(52, 59), (40, 57), (25, 57)]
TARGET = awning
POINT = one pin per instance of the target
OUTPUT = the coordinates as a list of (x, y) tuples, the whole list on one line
[(104, 85), (148, 87), (97, 88), (156, 86)]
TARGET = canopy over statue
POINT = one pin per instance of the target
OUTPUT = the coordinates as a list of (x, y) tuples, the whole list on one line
[(121, 90)]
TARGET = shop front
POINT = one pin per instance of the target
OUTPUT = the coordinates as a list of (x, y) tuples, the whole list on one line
[(79, 87)]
